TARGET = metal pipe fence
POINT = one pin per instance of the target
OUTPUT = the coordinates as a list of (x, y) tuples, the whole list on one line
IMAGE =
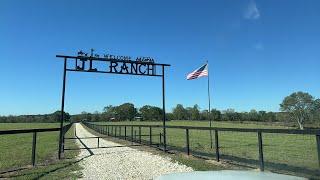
[(35, 138), (272, 149)]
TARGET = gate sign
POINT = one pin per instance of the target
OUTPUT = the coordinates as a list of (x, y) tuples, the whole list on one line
[(145, 66)]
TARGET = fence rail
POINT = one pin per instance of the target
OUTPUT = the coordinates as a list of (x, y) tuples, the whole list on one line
[(34, 136), (136, 136)]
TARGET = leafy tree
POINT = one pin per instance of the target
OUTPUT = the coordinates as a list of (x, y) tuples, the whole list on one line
[(56, 116), (299, 105), (179, 112), (151, 113), (195, 113), (192, 113), (125, 111), (215, 115), (109, 112)]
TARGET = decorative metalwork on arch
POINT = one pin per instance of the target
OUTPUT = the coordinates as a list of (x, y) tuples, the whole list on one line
[(111, 64)]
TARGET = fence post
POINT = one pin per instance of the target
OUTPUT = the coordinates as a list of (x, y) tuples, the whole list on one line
[(63, 140), (139, 134), (120, 132), (131, 133), (108, 130), (318, 147), (34, 146), (150, 135), (260, 151), (115, 131), (98, 142), (160, 135), (125, 132), (216, 138), (111, 130), (135, 135), (187, 141)]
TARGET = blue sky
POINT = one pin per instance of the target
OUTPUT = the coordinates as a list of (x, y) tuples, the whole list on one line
[(258, 52)]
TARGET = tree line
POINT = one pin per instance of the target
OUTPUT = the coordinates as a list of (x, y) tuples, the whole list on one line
[(39, 118), (299, 107)]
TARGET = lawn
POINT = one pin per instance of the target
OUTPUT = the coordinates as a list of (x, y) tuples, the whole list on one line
[(15, 153), (282, 152)]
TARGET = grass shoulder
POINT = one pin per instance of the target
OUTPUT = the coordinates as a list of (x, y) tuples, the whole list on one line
[(48, 166)]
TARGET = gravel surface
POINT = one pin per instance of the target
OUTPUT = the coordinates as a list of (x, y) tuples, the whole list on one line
[(122, 162)]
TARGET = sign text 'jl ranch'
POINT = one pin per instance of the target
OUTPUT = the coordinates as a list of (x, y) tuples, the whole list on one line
[(120, 65)]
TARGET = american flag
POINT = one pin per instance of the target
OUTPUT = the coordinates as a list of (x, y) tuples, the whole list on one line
[(202, 71)]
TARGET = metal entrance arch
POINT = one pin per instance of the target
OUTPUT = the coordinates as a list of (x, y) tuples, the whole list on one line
[(114, 64)]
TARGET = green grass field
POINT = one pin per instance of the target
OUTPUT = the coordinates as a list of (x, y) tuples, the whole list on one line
[(15, 152), (282, 152)]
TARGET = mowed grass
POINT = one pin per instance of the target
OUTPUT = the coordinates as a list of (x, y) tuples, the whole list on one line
[(285, 152), (16, 150)]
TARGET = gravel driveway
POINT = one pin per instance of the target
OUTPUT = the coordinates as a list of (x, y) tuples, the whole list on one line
[(121, 162)]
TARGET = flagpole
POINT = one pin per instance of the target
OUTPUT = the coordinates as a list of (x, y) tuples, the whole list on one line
[(209, 106)]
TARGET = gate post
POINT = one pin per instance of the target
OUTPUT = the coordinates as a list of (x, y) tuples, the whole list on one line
[(164, 112), (62, 106)]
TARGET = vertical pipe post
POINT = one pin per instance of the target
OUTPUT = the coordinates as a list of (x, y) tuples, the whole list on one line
[(120, 132), (108, 130), (111, 130), (187, 141), (140, 134), (115, 131), (318, 147), (131, 133), (34, 146), (63, 140), (164, 111), (260, 151), (125, 132), (135, 135), (150, 136), (62, 106), (160, 139), (216, 138)]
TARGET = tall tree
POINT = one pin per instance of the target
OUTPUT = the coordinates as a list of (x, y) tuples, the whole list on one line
[(194, 112), (151, 113), (126, 111), (215, 115), (179, 112), (299, 105)]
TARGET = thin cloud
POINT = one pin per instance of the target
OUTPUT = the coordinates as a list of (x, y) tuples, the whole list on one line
[(252, 12)]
